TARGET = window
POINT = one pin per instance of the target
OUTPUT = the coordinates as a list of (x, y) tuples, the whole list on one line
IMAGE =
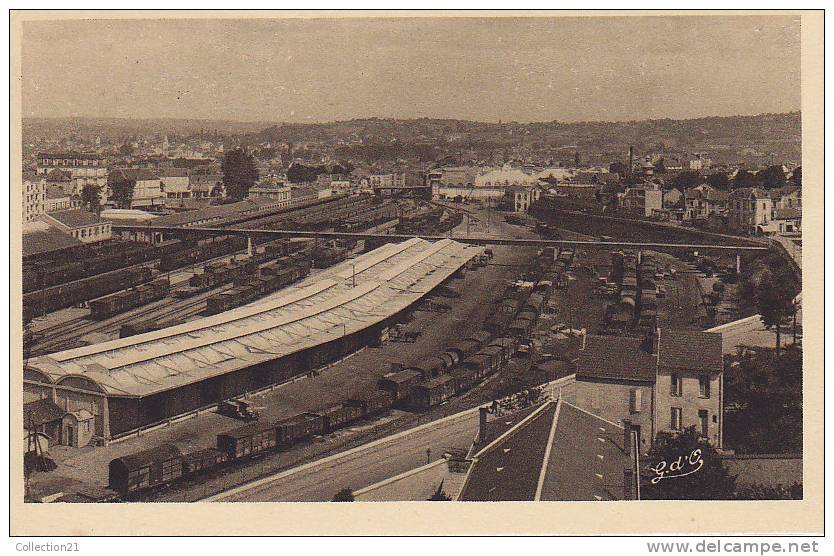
[(703, 417), (171, 469), (139, 478), (675, 386), (676, 423), (703, 386)]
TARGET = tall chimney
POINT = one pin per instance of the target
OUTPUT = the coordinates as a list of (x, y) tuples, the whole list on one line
[(484, 411), (628, 484), (627, 436), (630, 159)]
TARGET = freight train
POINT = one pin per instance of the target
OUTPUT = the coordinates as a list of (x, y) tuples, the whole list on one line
[(107, 306), (251, 285), (440, 378), (66, 295)]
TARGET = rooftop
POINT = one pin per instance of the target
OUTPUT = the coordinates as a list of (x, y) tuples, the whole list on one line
[(696, 351), (618, 358), (134, 174), (317, 310), (39, 238), (41, 412), (558, 452), (76, 218)]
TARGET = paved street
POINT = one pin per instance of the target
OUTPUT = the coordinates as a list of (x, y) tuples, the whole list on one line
[(364, 466)]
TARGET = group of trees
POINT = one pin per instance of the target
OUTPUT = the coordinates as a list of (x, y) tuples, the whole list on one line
[(764, 393), (300, 173), (240, 173), (708, 479)]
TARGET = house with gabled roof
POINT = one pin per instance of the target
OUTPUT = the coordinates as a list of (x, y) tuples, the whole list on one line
[(556, 451)]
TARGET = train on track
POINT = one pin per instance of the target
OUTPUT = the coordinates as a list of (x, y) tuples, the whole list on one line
[(440, 378), (107, 306)]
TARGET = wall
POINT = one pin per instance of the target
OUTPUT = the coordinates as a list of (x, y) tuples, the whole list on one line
[(690, 402), (612, 401), (416, 485), (769, 470)]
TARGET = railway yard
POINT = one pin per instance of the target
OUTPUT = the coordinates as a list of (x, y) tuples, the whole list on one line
[(554, 295)]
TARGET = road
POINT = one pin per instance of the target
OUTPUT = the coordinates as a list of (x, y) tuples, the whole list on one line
[(362, 466)]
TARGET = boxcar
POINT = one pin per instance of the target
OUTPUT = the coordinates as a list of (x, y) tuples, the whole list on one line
[(297, 428), (433, 392), (372, 402), (145, 469), (338, 416), (203, 460), (399, 384), (247, 441), (465, 379), (480, 363)]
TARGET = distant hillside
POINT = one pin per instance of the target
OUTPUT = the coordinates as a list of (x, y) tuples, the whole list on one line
[(114, 128), (722, 137)]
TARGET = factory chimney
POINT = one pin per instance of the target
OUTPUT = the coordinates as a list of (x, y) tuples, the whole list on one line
[(630, 159)]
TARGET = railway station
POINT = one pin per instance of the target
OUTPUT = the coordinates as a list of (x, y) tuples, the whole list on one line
[(139, 381)]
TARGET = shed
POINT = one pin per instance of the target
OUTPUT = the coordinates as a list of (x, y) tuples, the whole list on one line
[(145, 469), (77, 428)]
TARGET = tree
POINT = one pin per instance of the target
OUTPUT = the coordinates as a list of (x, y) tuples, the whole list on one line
[(618, 168), (774, 300), (126, 149), (687, 179), (743, 178), (719, 180), (773, 177), (660, 167), (91, 198), (686, 452), (796, 178), (344, 495), (121, 189), (239, 173)]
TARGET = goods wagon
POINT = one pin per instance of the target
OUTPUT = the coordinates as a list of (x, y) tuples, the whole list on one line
[(337, 416), (301, 427), (433, 392), (147, 469), (247, 441), (399, 384)]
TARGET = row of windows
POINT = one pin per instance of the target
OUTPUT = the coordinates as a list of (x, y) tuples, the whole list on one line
[(68, 162), (676, 386), (94, 231)]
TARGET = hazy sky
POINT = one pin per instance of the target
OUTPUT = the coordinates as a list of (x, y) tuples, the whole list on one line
[(565, 69)]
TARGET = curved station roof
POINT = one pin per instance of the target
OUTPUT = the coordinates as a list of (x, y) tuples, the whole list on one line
[(321, 308)]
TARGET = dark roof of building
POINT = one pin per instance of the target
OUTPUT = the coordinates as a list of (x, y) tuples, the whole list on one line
[(697, 351), (615, 357), (558, 452), (58, 174), (780, 192), (45, 239), (509, 468), (41, 412), (173, 172), (134, 174), (76, 218), (207, 213)]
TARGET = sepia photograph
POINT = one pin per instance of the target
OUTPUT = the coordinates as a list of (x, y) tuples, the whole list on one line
[(412, 257)]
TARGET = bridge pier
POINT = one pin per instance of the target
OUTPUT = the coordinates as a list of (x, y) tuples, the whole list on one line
[(738, 263), (249, 250)]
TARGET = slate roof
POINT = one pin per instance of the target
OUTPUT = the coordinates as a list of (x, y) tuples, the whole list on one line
[(614, 357), (40, 412), (134, 174), (173, 173), (76, 218), (558, 452), (697, 351), (40, 238)]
